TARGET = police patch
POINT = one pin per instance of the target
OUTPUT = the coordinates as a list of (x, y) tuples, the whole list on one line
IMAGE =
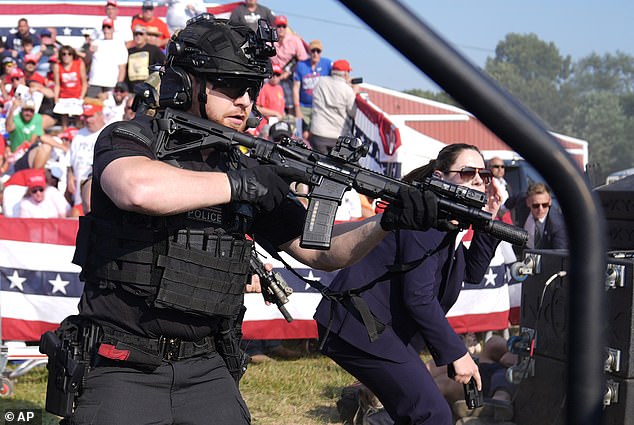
[(207, 215)]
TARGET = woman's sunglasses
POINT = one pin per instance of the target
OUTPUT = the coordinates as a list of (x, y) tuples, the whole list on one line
[(236, 87), (468, 173)]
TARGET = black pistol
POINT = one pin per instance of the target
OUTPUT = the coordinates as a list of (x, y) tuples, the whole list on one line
[(274, 287), (472, 396)]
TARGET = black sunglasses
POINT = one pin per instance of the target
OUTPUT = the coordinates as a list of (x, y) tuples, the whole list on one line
[(544, 205), (468, 173), (497, 166), (281, 26), (315, 51), (37, 189), (234, 88)]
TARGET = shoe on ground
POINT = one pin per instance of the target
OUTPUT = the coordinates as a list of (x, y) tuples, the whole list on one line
[(260, 358), (284, 353)]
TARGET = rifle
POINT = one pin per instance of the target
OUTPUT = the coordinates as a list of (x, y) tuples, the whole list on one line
[(329, 176), (274, 287)]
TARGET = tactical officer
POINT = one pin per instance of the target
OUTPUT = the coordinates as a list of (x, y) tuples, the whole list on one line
[(164, 254)]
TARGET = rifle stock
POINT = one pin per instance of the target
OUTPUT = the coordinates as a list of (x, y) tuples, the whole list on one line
[(328, 176)]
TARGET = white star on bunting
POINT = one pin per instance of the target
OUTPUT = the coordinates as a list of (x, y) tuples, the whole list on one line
[(16, 281), (59, 285), (490, 278), (311, 276)]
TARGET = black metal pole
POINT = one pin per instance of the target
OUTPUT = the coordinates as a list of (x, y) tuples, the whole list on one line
[(522, 131)]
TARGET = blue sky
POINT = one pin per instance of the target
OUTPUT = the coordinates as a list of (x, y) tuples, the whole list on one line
[(474, 27)]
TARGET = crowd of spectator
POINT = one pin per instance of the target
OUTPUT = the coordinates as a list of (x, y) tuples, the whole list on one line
[(56, 98)]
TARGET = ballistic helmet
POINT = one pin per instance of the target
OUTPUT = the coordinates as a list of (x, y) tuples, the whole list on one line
[(212, 46), (209, 47)]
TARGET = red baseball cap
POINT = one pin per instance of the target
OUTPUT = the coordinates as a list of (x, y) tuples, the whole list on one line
[(16, 73), (111, 3), (277, 69), (107, 23), (91, 109), (30, 58), (341, 65), (280, 20), (36, 180)]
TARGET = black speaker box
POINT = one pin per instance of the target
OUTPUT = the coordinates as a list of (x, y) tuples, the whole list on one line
[(541, 398), (546, 310), (617, 200)]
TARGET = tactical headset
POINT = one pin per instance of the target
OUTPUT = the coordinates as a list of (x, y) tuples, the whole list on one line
[(209, 46)]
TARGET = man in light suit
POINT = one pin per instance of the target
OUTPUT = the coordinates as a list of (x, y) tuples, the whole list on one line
[(545, 226)]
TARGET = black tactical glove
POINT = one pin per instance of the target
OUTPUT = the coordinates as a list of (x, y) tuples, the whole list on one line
[(262, 186), (416, 211)]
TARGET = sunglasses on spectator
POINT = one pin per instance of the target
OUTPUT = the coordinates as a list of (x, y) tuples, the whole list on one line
[(544, 205), (236, 87), (15, 78), (468, 173), (315, 50), (106, 26), (139, 33), (37, 189), (281, 26), (497, 166)]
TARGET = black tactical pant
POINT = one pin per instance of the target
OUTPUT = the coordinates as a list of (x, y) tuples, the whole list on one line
[(192, 391)]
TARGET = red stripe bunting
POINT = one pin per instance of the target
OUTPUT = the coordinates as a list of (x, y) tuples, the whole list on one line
[(61, 231), (24, 330)]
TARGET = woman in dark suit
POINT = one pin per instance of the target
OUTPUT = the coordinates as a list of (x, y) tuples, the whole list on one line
[(413, 304)]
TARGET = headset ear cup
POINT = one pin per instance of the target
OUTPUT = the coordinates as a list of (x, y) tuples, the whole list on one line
[(176, 89)]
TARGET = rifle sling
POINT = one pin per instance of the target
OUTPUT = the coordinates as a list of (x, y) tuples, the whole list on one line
[(351, 299)]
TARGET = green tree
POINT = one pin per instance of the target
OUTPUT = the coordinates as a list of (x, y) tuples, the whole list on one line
[(598, 118), (592, 99), (533, 71), (611, 72)]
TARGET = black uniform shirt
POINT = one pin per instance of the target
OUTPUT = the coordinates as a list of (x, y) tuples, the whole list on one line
[(130, 313)]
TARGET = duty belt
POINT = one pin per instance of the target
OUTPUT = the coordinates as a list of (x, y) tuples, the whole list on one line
[(119, 345)]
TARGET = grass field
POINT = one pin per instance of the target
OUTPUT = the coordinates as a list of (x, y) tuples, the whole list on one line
[(284, 392)]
